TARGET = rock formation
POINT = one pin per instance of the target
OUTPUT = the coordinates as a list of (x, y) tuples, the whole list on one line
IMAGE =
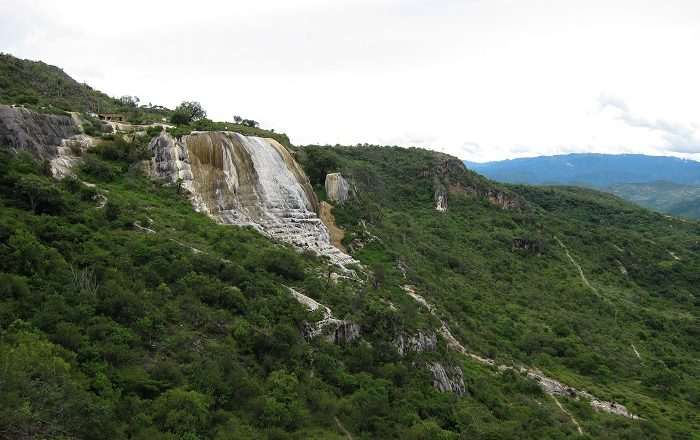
[(551, 386), (441, 199), (247, 181), (447, 378), (47, 137), (421, 341), (335, 330), (337, 187)]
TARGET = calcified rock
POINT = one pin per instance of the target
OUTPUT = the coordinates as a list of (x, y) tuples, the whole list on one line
[(68, 154), (441, 199), (334, 330), (47, 137), (447, 378), (421, 341), (337, 187), (247, 181)]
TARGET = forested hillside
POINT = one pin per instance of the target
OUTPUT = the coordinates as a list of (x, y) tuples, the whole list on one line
[(126, 314)]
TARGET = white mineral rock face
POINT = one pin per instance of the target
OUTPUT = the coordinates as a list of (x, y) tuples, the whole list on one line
[(417, 343), (447, 378), (337, 187), (247, 181)]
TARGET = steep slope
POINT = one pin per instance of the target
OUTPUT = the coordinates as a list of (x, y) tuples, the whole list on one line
[(247, 181), (573, 282), (40, 84), (482, 310)]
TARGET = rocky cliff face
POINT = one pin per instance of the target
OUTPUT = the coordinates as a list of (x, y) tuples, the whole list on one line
[(247, 181), (447, 378), (337, 187), (334, 330), (421, 341), (47, 137)]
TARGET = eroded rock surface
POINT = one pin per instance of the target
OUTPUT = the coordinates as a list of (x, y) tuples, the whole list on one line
[(421, 341), (440, 199), (55, 138), (247, 181), (337, 187), (334, 330), (447, 378)]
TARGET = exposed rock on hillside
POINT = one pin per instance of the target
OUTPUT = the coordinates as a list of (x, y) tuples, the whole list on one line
[(47, 137), (445, 167), (335, 330), (447, 378), (441, 199), (549, 385), (421, 341), (247, 181), (337, 187)]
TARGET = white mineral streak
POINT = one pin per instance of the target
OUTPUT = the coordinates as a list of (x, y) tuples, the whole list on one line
[(68, 154), (247, 181), (335, 330), (549, 385)]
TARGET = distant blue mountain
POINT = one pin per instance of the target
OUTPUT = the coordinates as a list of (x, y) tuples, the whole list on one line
[(593, 170)]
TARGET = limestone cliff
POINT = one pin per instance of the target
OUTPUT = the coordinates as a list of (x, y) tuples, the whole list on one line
[(47, 137), (247, 181), (337, 187)]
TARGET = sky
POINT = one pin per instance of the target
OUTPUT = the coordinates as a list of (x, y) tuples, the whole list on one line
[(481, 80)]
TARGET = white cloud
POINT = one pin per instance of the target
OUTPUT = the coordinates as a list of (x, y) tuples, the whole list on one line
[(480, 79)]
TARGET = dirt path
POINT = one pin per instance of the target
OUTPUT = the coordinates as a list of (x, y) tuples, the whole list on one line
[(578, 266), (551, 386), (343, 428), (566, 411)]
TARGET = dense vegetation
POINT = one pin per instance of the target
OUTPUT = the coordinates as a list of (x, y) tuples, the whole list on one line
[(125, 314), (527, 303), (662, 196), (107, 331)]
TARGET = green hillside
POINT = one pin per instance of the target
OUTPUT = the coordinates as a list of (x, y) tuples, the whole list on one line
[(126, 314), (48, 88), (662, 196)]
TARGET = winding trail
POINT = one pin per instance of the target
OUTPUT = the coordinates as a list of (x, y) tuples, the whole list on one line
[(566, 411), (343, 428), (551, 386), (636, 352), (578, 266)]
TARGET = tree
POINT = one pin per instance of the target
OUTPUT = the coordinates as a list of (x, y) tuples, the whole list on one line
[(187, 112), (237, 119), (131, 101), (39, 190)]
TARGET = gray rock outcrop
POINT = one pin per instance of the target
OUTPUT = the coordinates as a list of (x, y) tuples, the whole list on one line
[(55, 138), (420, 342), (441, 199), (447, 378), (337, 187), (334, 330)]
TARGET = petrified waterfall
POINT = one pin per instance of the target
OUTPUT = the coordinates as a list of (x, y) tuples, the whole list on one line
[(247, 181)]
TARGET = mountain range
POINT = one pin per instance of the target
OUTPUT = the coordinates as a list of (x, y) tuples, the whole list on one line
[(665, 184)]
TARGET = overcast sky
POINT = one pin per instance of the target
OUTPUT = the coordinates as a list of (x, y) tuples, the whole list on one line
[(483, 80)]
